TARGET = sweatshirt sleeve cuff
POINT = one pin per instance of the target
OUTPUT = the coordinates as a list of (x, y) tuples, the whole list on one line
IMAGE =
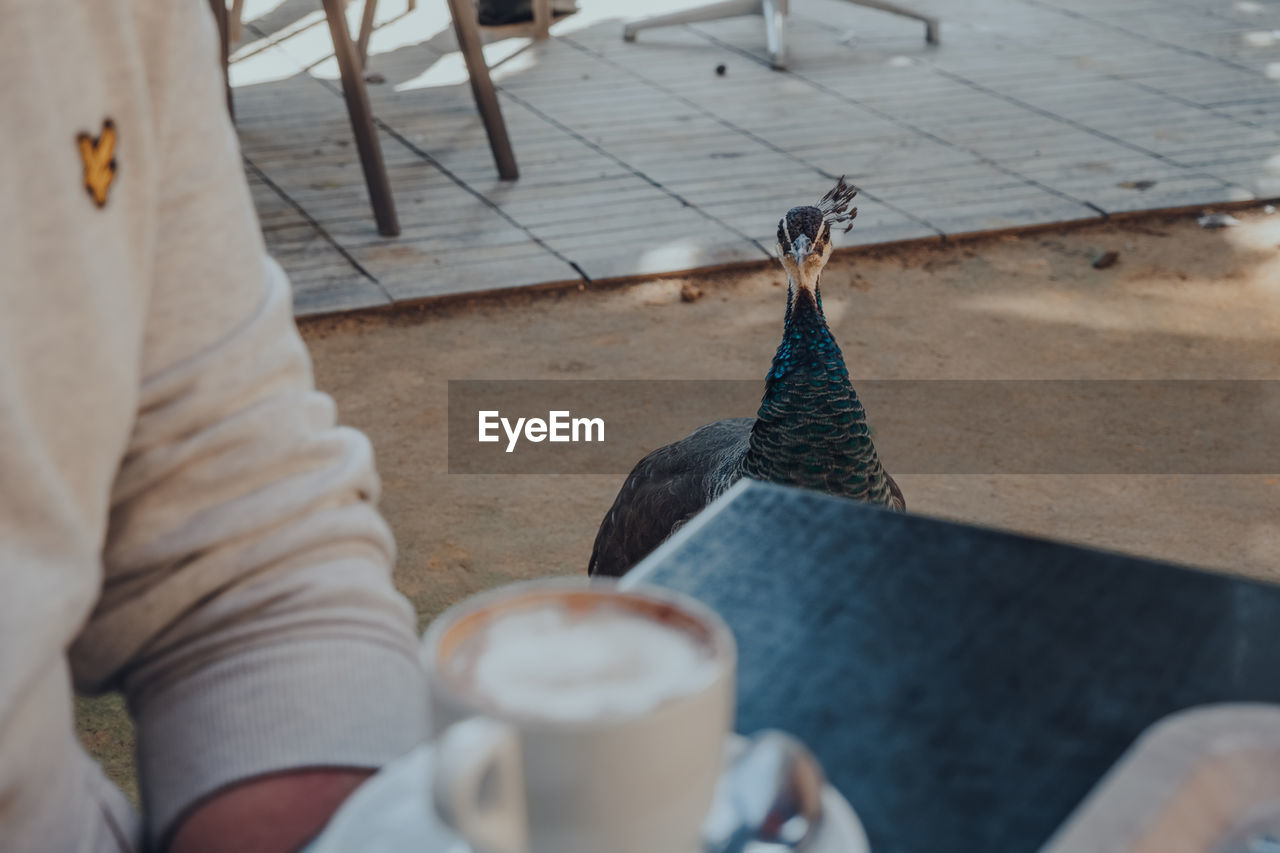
[(295, 704)]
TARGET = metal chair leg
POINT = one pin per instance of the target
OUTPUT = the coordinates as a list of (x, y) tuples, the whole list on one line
[(775, 21), (726, 9), (930, 24), (375, 172), (775, 32), (468, 31)]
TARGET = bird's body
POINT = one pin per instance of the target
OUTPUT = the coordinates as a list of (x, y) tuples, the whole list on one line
[(810, 431)]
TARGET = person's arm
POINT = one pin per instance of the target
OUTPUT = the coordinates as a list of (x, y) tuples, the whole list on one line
[(267, 813), (247, 610)]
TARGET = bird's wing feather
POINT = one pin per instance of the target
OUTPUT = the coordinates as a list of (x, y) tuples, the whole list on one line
[(898, 501), (666, 489)]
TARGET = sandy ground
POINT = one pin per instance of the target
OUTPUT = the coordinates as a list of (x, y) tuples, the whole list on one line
[(1181, 302)]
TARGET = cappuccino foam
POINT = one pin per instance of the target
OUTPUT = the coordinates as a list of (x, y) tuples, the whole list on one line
[(605, 662)]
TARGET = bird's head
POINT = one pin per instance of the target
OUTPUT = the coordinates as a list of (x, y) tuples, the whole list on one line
[(804, 244), (804, 234)]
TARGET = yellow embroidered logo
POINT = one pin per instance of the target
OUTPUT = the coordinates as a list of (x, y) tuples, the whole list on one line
[(99, 156)]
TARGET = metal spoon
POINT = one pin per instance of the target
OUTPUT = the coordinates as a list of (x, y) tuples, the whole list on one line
[(770, 794)]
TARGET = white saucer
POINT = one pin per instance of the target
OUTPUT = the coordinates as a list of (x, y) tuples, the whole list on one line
[(391, 813), (841, 831)]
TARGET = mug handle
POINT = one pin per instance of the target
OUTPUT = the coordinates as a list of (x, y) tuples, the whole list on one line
[(478, 786)]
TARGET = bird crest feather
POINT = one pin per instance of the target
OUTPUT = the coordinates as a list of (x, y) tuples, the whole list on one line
[(835, 205)]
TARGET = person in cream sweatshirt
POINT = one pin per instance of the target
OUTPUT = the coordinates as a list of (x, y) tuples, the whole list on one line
[(180, 517)]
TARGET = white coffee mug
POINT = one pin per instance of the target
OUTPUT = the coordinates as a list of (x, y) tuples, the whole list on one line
[(530, 761)]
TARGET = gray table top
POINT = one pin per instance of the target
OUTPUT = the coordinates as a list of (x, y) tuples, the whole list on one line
[(963, 687)]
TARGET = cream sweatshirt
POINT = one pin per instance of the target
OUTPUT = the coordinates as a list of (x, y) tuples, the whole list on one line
[(180, 518)]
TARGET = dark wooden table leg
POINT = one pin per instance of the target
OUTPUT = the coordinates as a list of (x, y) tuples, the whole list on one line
[(375, 172), (366, 30), (467, 28), (237, 20), (542, 19)]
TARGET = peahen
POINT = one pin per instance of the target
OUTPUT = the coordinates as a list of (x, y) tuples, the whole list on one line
[(810, 431)]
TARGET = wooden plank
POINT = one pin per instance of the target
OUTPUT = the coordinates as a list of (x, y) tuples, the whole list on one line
[(441, 279), (335, 289), (651, 259), (673, 220), (1078, 104)]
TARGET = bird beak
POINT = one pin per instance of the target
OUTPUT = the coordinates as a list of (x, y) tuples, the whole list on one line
[(805, 274), (801, 248)]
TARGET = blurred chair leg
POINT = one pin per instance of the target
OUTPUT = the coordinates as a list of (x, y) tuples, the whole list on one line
[(237, 12), (468, 31), (541, 19), (366, 30), (775, 32), (375, 173), (930, 24), (714, 12)]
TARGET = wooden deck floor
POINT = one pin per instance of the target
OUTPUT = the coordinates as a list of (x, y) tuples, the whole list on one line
[(640, 159)]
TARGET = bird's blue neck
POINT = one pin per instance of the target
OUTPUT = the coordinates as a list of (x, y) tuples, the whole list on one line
[(811, 430), (807, 343), (791, 300)]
